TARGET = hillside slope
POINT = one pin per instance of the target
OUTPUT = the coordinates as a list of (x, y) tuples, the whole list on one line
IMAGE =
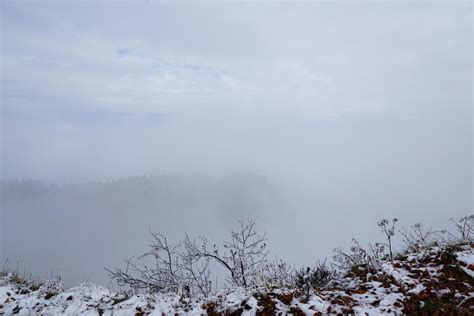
[(435, 281)]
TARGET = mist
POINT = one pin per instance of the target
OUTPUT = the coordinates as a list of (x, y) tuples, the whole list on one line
[(318, 119)]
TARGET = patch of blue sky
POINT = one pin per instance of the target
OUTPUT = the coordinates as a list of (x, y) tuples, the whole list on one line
[(123, 51)]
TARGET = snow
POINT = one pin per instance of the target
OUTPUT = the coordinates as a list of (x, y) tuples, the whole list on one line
[(467, 257), (399, 274), (469, 272), (417, 289), (367, 302)]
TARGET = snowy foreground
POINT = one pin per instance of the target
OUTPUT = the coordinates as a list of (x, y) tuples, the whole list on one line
[(438, 280)]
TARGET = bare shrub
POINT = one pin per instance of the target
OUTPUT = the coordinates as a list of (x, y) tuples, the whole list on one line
[(172, 270), (52, 286), (21, 279), (196, 268), (303, 281), (317, 277), (322, 274), (465, 227), (358, 256), (244, 256), (418, 237), (388, 228), (277, 274), (184, 267)]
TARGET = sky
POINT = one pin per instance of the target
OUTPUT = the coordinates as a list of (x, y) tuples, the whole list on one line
[(97, 90), (356, 109)]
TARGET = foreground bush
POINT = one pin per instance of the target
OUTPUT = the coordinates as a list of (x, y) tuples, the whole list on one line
[(436, 280)]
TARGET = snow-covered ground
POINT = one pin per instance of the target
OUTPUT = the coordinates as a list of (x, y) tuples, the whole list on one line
[(436, 279)]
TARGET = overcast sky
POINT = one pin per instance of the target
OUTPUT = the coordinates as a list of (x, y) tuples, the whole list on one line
[(97, 90)]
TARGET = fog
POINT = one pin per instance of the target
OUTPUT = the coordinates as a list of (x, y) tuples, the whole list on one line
[(316, 118)]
